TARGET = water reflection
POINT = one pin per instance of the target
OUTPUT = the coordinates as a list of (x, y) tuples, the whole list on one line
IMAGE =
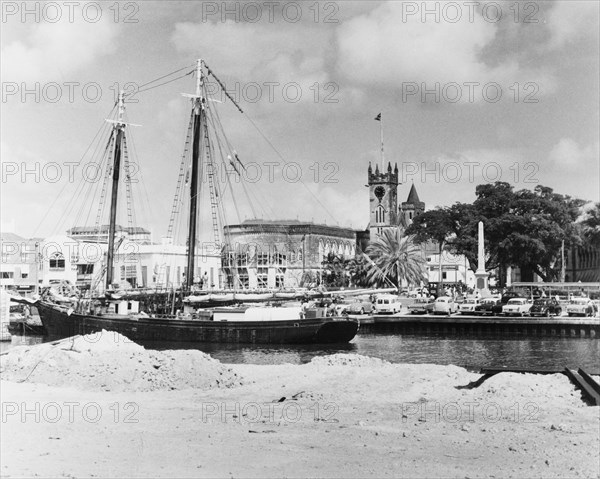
[(258, 353), (531, 353)]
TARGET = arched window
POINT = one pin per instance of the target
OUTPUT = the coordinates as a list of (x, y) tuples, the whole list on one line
[(380, 214), (57, 262)]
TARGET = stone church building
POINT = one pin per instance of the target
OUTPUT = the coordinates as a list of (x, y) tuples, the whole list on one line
[(279, 254)]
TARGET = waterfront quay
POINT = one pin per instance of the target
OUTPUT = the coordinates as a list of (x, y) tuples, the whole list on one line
[(495, 326)]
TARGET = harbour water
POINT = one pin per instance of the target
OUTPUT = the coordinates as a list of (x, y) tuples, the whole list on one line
[(473, 353)]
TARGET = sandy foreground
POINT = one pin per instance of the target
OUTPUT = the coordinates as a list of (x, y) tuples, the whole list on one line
[(338, 416)]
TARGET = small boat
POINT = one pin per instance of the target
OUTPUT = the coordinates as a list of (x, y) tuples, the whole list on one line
[(119, 311)]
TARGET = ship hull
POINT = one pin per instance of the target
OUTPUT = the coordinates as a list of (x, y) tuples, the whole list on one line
[(59, 324)]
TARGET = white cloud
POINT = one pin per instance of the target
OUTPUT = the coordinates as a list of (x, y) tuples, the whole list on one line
[(53, 51), (567, 152), (571, 21), (387, 47), (244, 53)]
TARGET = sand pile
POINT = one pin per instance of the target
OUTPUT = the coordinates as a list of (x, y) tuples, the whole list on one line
[(109, 361), (355, 360)]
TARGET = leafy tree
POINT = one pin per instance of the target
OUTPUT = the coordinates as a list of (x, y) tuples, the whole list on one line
[(531, 233), (590, 226), (522, 228), (396, 257)]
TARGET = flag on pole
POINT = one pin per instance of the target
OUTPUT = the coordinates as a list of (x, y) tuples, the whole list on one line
[(378, 118)]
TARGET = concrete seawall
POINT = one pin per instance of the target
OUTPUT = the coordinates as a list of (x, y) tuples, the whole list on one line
[(478, 326)]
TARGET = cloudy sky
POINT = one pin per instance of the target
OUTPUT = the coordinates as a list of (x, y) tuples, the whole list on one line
[(469, 93)]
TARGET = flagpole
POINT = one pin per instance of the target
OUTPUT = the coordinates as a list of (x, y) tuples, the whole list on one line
[(382, 156)]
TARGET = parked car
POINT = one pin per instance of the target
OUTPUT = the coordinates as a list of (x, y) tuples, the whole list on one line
[(517, 307), (468, 306), (444, 305), (421, 306), (506, 297), (387, 303), (545, 307), (581, 307), (486, 306), (359, 306)]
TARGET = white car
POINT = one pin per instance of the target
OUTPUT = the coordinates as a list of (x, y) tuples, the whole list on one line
[(468, 306), (388, 303), (444, 305), (517, 307), (581, 307)]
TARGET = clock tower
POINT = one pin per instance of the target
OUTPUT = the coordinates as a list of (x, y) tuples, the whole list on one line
[(383, 199)]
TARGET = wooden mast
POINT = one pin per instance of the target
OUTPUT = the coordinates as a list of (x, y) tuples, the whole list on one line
[(119, 128), (197, 128)]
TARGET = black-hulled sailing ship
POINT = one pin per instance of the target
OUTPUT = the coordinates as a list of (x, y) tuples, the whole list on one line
[(240, 324)]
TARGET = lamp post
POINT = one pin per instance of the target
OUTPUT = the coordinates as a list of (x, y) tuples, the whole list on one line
[(303, 253), (37, 266)]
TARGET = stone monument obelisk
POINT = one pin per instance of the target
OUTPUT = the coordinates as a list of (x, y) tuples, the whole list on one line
[(481, 276)]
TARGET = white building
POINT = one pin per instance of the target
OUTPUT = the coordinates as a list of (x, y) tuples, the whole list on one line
[(62, 258), (18, 264), (455, 269), (165, 265)]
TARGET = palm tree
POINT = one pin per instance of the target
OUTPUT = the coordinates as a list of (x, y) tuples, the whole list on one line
[(334, 270), (396, 257), (358, 268)]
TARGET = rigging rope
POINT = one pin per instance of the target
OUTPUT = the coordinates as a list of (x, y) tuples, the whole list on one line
[(164, 83), (97, 136), (285, 162)]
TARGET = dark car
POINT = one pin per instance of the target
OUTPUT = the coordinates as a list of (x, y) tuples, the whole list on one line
[(359, 306), (486, 306), (421, 306), (545, 307), (506, 297)]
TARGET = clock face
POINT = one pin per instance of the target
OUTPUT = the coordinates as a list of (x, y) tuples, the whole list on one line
[(379, 192)]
